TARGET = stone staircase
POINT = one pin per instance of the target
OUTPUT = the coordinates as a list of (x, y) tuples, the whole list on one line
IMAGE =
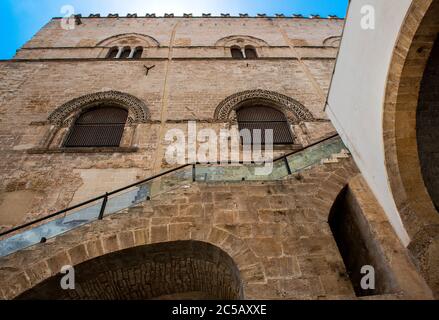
[(328, 151), (335, 158)]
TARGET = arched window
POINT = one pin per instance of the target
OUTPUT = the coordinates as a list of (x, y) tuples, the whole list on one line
[(250, 52), (112, 54), (236, 53), (98, 127), (138, 53), (264, 117), (125, 53)]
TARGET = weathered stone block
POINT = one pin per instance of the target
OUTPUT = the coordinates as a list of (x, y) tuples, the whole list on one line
[(265, 247), (159, 233)]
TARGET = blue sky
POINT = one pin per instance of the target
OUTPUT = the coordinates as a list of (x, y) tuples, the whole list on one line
[(21, 19)]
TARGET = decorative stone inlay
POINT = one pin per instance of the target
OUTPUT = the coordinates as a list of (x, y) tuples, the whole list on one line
[(138, 111), (293, 110), (241, 39), (122, 39)]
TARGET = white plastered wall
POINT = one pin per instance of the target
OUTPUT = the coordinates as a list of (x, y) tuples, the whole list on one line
[(356, 99)]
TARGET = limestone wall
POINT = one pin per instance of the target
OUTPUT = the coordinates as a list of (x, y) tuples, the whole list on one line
[(188, 31), (274, 235), (276, 232), (193, 72)]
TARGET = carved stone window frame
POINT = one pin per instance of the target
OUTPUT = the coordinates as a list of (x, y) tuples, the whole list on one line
[(293, 110), (63, 118), (120, 41), (241, 42)]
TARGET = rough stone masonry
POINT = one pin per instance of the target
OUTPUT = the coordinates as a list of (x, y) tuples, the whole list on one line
[(230, 241)]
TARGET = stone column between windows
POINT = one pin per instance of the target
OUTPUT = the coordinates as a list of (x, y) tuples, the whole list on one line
[(133, 50), (119, 53)]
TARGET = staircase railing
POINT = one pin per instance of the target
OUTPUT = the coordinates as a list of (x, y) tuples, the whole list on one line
[(52, 225)]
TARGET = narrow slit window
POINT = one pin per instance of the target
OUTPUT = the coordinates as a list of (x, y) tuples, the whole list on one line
[(138, 53), (112, 54), (236, 53), (125, 53), (250, 53)]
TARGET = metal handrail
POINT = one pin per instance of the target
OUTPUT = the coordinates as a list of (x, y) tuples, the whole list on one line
[(105, 196)]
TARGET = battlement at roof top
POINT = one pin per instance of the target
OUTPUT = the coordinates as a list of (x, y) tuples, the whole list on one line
[(207, 15)]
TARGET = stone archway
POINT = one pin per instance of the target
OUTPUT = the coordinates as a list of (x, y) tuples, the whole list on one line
[(366, 239), (266, 240), (427, 119), (63, 117), (170, 270), (404, 146), (125, 240)]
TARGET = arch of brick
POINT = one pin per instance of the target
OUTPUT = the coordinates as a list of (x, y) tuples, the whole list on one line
[(281, 245), (110, 243), (420, 218), (177, 270)]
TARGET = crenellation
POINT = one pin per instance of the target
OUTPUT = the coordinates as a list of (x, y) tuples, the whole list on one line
[(78, 18), (96, 36), (210, 15)]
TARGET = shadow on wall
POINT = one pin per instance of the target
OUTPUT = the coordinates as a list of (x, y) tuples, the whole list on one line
[(427, 120), (357, 245)]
